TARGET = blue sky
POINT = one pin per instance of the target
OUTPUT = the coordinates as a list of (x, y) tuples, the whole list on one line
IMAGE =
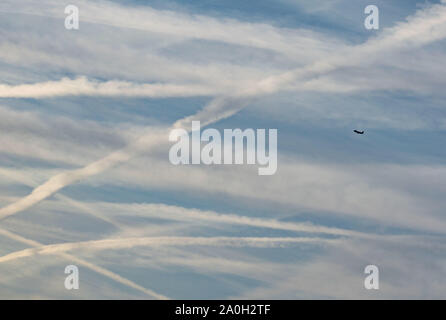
[(85, 177)]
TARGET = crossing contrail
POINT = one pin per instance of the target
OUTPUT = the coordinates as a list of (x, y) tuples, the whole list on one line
[(107, 273)]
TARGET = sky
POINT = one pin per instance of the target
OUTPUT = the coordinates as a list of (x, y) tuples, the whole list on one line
[(85, 176)]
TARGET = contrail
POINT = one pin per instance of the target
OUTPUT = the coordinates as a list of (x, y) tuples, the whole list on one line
[(126, 243), (424, 27), (184, 214), (91, 266), (82, 86)]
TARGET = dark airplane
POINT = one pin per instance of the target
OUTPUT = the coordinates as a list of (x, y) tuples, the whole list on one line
[(358, 132)]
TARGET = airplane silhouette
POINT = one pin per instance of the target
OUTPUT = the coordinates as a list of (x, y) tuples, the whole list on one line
[(358, 132)]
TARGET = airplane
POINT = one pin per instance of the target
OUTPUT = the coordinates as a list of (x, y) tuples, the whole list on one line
[(358, 132)]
